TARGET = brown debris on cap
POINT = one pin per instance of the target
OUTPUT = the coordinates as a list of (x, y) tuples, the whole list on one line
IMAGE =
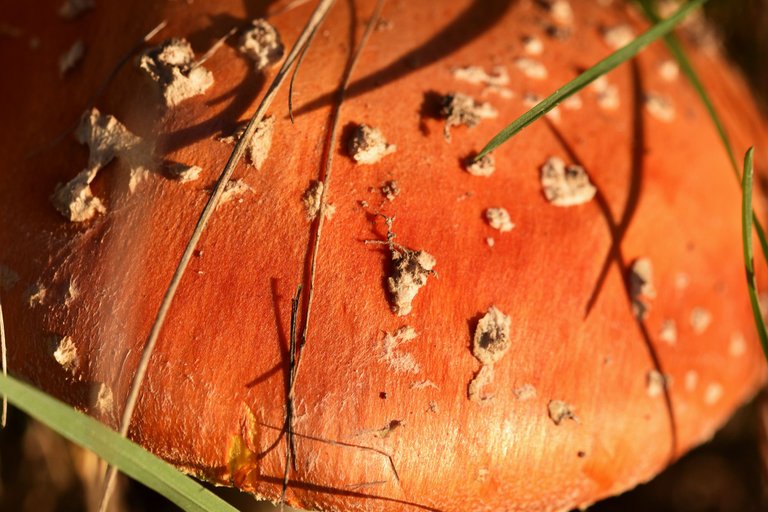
[(72, 293), (495, 82), (700, 319), (573, 102), (618, 36), (532, 45), (482, 379), (66, 354), (607, 93), (71, 9), (641, 287), (234, 190), (669, 70), (498, 77), (484, 166), (560, 411), (713, 393), (491, 339), (313, 200), (424, 384), (490, 343), (75, 199), (691, 380), (105, 402), (183, 173), (257, 149), (561, 11), (410, 272), (525, 392), (656, 383), (105, 136), (565, 186), (172, 65), (400, 362), (460, 109), (668, 332), (71, 57), (498, 218), (660, 107), (368, 145), (737, 346), (261, 43), (531, 68), (36, 295), (390, 189), (138, 174)]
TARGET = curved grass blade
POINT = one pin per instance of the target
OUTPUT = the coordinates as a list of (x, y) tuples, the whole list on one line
[(749, 257), (674, 46), (677, 51), (130, 458), (604, 66)]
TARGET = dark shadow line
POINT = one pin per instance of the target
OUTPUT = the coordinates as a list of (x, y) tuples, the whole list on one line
[(330, 490), (282, 364), (615, 254), (92, 99), (343, 444), (281, 337), (323, 489), (245, 93), (265, 376), (257, 8), (638, 150), (484, 15), (618, 231)]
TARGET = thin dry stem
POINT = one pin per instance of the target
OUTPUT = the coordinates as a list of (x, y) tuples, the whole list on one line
[(290, 448), (287, 7), (215, 47), (152, 33), (342, 444), (103, 86), (315, 19), (321, 218), (296, 72), (329, 168)]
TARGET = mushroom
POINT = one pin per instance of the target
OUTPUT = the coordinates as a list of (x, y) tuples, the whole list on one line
[(366, 436)]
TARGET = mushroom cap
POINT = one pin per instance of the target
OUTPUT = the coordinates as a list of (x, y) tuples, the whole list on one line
[(588, 399)]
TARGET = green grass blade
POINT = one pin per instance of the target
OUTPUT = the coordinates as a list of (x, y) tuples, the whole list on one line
[(749, 258), (674, 46), (604, 66), (130, 458)]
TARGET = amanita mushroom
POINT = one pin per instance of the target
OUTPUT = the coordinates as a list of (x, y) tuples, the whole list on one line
[(586, 347)]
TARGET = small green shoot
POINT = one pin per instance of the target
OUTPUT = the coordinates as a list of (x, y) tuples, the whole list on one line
[(749, 257), (590, 75), (130, 458), (677, 51), (674, 46)]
